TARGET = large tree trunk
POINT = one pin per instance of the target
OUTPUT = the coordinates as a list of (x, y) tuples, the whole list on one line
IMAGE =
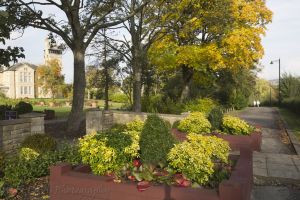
[(76, 115), (187, 77), (137, 84), (106, 89)]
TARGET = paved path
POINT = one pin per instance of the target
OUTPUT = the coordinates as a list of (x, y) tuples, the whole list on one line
[(267, 118), (277, 163)]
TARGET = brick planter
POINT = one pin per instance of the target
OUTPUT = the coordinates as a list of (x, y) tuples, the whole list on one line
[(77, 184), (236, 142)]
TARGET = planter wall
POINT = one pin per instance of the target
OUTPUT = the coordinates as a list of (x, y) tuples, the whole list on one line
[(77, 184), (96, 120), (236, 142)]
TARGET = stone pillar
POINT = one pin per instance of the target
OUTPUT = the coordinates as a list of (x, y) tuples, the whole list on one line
[(37, 124), (107, 120), (12, 134), (93, 120)]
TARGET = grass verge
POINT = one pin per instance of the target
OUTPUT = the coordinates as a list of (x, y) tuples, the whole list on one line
[(292, 119)]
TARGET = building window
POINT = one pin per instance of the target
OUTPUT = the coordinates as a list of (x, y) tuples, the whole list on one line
[(21, 76), (21, 90), (29, 77), (25, 90), (29, 90), (25, 77)]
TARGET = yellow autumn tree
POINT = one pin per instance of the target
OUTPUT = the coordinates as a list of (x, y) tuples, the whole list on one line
[(50, 78), (200, 35)]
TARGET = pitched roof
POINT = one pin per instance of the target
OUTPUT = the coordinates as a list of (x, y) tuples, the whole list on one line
[(16, 66)]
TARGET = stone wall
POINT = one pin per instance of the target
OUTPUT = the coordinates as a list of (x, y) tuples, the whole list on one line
[(13, 132), (98, 120)]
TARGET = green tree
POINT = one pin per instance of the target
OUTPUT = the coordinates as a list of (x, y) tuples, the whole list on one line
[(50, 79), (290, 86), (210, 35), (84, 19), (8, 54), (142, 30)]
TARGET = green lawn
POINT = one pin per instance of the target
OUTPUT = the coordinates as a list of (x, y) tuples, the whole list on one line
[(292, 119), (63, 112)]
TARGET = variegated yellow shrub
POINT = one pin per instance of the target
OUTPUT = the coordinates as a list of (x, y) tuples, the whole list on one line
[(196, 122), (235, 126), (195, 157), (108, 152)]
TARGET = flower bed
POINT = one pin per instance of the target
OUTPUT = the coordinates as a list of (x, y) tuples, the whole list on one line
[(67, 182), (236, 142)]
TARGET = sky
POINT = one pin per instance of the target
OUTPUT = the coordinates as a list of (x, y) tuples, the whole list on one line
[(281, 41)]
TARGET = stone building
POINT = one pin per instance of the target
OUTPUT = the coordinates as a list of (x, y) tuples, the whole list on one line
[(19, 80)]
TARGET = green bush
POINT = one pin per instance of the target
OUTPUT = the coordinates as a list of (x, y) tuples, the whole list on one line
[(292, 104), (2, 159), (195, 123), (23, 108), (195, 157), (204, 105), (160, 104), (215, 118), (108, 152), (176, 124), (119, 98), (40, 143), (156, 141), (28, 154), (69, 152), (21, 171), (28, 166), (235, 126), (135, 125)]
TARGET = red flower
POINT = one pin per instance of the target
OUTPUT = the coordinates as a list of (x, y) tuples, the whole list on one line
[(142, 186), (132, 178), (136, 163), (182, 181), (12, 192)]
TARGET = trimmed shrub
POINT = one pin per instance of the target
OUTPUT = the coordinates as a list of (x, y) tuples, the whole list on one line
[(235, 126), (168, 124), (204, 105), (195, 157), (23, 107), (195, 123), (40, 143), (156, 141), (108, 152), (215, 118)]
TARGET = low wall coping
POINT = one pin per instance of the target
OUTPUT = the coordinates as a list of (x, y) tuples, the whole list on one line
[(32, 115), (14, 122), (137, 113)]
